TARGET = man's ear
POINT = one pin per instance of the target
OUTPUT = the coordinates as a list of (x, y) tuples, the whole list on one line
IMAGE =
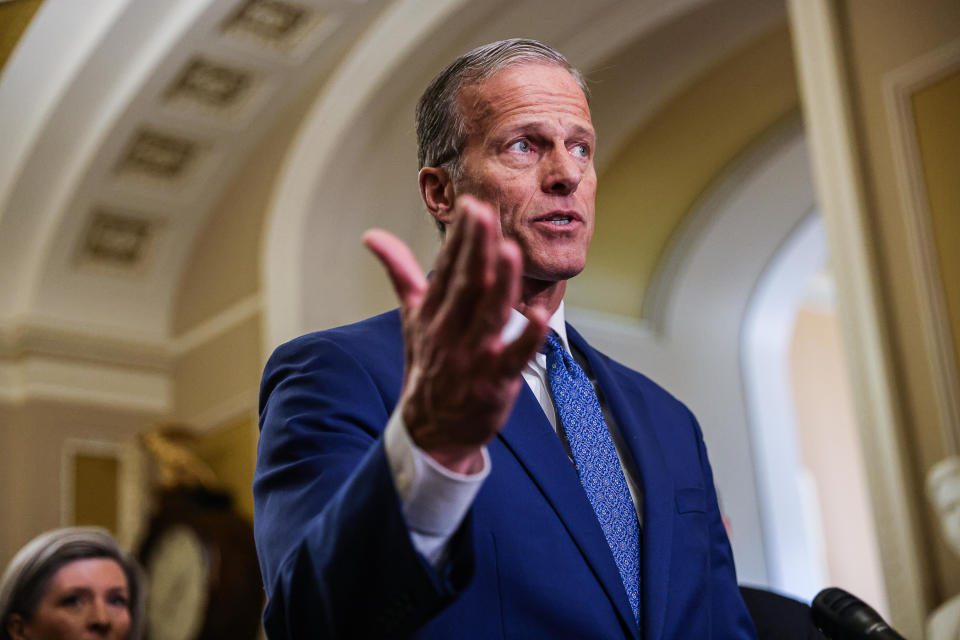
[(436, 189)]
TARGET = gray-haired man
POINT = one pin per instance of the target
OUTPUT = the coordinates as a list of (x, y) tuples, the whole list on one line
[(469, 467)]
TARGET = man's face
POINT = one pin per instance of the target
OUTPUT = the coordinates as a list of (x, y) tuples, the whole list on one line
[(529, 154)]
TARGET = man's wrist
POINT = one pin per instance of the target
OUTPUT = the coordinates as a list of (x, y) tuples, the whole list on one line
[(463, 461), (458, 458)]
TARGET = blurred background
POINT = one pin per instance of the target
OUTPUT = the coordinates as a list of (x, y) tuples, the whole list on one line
[(183, 185)]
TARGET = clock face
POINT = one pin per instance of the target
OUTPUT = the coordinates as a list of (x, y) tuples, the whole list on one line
[(179, 574)]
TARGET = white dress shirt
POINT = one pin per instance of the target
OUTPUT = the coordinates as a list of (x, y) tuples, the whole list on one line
[(434, 499)]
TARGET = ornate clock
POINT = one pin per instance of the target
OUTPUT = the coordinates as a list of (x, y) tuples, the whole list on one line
[(202, 573)]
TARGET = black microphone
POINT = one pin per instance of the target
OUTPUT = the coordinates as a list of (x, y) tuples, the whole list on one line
[(842, 616)]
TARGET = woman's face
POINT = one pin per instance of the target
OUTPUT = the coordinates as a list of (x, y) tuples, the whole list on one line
[(87, 599)]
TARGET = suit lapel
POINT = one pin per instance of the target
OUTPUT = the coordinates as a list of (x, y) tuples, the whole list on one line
[(535, 444), (633, 420)]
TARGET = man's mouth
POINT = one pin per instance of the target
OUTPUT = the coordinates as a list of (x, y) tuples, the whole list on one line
[(559, 218)]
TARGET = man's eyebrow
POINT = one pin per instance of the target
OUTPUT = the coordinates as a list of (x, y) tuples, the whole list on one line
[(584, 131), (537, 127)]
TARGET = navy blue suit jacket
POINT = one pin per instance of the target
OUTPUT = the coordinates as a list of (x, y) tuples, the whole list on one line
[(530, 560)]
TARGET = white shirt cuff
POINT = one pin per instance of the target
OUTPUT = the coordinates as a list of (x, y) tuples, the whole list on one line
[(434, 499)]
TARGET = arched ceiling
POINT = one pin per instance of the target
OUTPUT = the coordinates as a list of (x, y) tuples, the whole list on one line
[(121, 134), (124, 120)]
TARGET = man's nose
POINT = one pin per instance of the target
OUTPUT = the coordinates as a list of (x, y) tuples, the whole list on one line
[(563, 172)]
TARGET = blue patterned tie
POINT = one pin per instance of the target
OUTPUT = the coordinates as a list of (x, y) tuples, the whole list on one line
[(597, 463)]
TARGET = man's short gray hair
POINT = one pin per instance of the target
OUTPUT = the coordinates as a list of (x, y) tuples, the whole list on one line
[(28, 575), (441, 130)]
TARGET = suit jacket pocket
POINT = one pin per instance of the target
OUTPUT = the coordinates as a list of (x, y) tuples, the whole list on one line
[(691, 500)]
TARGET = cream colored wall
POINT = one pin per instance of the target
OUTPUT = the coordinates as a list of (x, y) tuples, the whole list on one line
[(937, 119), (879, 38), (32, 443), (218, 375), (656, 177), (828, 436), (231, 451)]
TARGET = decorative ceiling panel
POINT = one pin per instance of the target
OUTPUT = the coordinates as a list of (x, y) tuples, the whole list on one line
[(116, 239), (159, 155), (269, 19), (210, 84), (279, 26)]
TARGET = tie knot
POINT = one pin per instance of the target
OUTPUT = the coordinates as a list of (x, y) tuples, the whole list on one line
[(552, 343)]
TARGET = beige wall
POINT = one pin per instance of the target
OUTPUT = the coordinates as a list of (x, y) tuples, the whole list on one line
[(33, 439), (231, 451), (220, 377), (660, 171), (936, 111), (828, 436), (881, 37), (215, 391)]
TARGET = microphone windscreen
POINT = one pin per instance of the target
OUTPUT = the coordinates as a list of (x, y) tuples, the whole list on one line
[(842, 616)]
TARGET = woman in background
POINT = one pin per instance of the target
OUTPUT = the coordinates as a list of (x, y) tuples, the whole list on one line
[(70, 584)]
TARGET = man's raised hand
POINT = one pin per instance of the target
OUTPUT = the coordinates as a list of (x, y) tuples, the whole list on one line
[(460, 378)]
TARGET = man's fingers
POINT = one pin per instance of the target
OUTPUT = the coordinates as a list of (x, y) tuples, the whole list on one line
[(518, 353), (493, 308), (443, 268), (401, 265), (475, 263), (474, 270), (474, 222)]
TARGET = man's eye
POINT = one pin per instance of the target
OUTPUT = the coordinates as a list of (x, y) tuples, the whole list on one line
[(523, 146), (580, 150), (70, 601)]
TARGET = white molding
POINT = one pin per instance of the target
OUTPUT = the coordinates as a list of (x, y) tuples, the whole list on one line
[(36, 335), (837, 175), (39, 378), (214, 327), (71, 341), (222, 412), (45, 358), (131, 501), (899, 87)]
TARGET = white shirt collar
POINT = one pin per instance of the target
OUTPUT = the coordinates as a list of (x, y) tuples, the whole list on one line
[(518, 322)]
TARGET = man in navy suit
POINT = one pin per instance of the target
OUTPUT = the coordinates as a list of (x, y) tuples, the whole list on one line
[(419, 474)]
